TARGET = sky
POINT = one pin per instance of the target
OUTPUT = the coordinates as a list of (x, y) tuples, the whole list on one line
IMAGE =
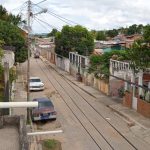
[(93, 14)]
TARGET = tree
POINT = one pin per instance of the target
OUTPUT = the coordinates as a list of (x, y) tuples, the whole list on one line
[(52, 33), (76, 38), (8, 17), (112, 33), (100, 35), (139, 55), (3, 13), (12, 36), (99, 64), (146, 34), (132, 29), (93, 32)]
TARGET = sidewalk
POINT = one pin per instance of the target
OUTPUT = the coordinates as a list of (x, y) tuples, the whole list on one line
[(20, 93), (114, 104)]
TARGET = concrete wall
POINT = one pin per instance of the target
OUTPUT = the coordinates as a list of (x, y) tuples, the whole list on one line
[(19, 122), (63, 63), (114, 86), (143, 108), (101, 85), (9, 57)]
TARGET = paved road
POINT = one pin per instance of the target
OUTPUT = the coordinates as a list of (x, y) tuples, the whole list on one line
[(87, 123)]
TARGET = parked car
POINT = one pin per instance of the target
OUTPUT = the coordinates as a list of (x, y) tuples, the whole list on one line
[(36, 84), (45, 110)]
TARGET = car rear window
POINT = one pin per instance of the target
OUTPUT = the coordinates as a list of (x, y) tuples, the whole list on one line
[(45, 104), (35, 80)]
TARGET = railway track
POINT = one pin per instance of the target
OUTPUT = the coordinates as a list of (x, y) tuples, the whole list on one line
[(71, 96)]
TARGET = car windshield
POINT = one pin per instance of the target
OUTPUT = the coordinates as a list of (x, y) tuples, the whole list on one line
[(35, 80), (45, 104)]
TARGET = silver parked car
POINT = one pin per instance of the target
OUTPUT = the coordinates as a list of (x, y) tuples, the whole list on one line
[(36, 84)]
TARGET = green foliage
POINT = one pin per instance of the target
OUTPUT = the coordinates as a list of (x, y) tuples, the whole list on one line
[(76, 38), (139, 55), (1, 71), (146, 33), (121, 92), (12, 36), (100, 63), (21, 55), (93, 32), (51, 144), (134, 29), (52, 33), (12, 74), (100, 35), (8, 17), (112, 33)]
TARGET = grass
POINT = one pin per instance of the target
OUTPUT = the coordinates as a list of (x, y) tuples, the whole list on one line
[(51, 144)]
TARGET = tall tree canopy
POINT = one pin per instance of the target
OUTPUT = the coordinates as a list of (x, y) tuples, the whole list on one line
[(100, 35), (52, 33), (146, 34), (139, 53), (8, 17), (76, 38), (99, 64), (112, 33), (12, 35)]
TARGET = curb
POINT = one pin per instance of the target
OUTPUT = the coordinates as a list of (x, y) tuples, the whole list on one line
[(127, 118)]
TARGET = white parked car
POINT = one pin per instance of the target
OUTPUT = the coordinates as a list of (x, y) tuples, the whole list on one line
[(36, 84)]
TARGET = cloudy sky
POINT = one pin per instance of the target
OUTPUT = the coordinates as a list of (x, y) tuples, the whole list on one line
[(93, 14)]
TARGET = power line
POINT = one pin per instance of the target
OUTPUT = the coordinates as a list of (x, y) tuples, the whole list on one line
[(20, 7), (58, 16), (40, 2), (40, 23), (53, 27)]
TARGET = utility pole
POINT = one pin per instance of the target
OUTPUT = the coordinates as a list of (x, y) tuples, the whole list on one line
[(28, 62), (30, 14)]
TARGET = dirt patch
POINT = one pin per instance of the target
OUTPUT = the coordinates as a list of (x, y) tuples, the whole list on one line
[(51, 144), (48, 125)]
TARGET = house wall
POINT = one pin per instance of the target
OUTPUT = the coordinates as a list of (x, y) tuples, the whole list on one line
[(143, 107), (101, 85), (114, 86), (9, 57), (62, 63)]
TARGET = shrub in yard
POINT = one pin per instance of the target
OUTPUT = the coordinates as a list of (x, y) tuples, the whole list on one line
[(51, 144)]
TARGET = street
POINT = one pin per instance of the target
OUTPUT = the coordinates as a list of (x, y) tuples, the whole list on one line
[(87, 124)]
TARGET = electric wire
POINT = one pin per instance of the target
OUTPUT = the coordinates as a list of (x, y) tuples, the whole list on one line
[(41, 24), (53, 27), (58, 16), (20, 7)]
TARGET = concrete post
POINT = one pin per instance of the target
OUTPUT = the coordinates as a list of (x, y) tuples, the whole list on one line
[(6, 90), (133, 80), (125, 83), (140, 81)]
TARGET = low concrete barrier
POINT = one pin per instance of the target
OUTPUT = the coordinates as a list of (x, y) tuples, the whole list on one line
[(19, 122)]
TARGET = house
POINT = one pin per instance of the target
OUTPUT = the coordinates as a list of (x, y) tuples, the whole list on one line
[(134, 87)]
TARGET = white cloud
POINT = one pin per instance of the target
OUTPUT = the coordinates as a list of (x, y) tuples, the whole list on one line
[(94, 14)]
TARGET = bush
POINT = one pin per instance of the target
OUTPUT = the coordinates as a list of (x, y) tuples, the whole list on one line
[(51, 144)]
